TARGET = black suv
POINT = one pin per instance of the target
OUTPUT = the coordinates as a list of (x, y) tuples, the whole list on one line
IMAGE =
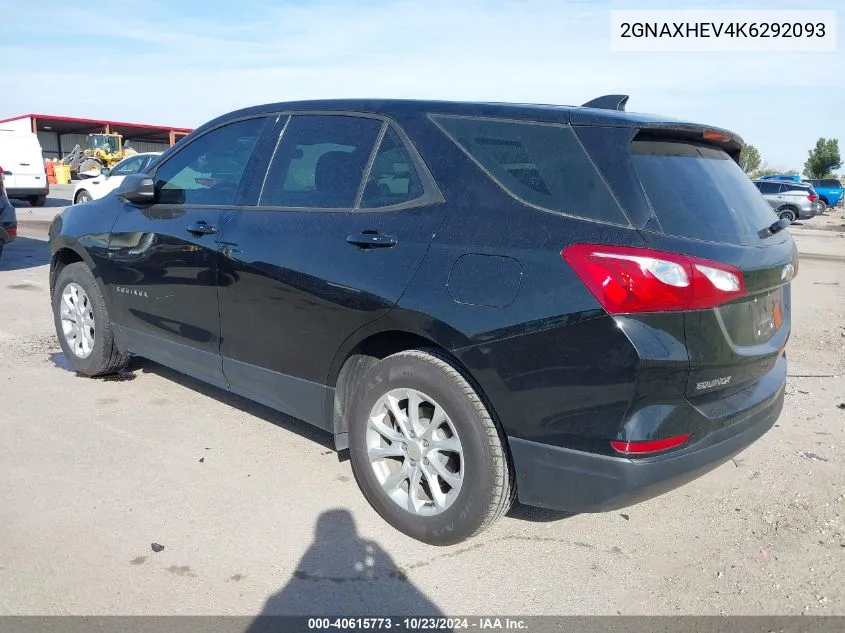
[(576, 306)]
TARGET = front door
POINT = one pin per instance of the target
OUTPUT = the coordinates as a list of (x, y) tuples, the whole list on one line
[(162, 264)]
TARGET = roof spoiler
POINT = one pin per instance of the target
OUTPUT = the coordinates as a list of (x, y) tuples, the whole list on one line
[(608, 102)]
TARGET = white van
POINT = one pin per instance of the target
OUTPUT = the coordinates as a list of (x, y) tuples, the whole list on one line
[(23, 167)]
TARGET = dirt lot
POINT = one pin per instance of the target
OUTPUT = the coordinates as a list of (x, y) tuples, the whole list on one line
[(256, 514)]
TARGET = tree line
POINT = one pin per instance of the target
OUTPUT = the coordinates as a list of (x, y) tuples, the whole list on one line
[(822, 161)]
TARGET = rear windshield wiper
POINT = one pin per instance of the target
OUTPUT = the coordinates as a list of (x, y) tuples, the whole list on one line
[(770, 230)]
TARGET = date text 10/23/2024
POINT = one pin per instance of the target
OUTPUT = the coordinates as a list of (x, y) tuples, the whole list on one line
[(418, 624)]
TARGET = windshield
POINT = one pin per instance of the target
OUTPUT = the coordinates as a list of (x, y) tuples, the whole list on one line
[(699, 192), (106, 143)]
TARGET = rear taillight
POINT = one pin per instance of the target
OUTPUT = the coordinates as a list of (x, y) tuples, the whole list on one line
[(12, 232), (626, 279), (648, 446), (812, 197)]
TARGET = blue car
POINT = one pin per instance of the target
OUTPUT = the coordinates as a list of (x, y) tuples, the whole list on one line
[(829, 189), (780, 177)]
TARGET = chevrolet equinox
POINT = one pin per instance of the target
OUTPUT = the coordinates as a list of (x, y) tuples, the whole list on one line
[(578, 307)]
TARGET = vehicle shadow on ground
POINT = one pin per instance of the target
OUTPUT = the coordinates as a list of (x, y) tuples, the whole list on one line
[(51, 202), (23, 253), (237, 402), (343, 574)]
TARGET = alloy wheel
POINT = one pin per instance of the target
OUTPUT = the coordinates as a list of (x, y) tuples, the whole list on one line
[(415, 452)]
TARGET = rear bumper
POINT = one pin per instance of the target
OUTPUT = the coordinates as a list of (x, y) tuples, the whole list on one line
[(26, 192), (806, 213), (575, 481)]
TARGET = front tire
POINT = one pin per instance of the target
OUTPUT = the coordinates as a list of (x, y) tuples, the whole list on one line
[(425, 450), (82, 196), (82, 323), (38, 201)]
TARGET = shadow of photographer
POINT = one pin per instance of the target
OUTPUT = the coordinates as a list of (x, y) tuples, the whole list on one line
[(344, 575)]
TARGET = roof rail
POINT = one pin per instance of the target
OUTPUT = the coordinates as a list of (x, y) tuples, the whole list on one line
[(608, 102)]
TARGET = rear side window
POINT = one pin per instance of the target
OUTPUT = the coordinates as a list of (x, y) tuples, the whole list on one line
[(699, 192), (830, 183), (541, 164), (796, 188), (320, 162)]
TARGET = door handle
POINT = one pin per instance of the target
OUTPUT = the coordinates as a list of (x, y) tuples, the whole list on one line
[(371, 239), (201, 228)]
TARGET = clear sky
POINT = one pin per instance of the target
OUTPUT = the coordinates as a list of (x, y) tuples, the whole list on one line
[(182, 62)]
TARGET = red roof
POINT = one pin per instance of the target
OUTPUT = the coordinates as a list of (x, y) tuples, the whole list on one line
[(92, 122)]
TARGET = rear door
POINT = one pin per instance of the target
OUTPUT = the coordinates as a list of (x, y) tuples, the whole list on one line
[(330, 240), (29, 170), (705, 206)]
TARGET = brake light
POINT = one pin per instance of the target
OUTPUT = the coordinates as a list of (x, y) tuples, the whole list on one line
[(626, 279), (648, 446), (716, 136), (812, 197), (12, 232)]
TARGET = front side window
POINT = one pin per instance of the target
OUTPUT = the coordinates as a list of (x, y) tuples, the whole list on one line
[(393, 179), (129, 166), (769, 187), (320, 161), (209, 170)]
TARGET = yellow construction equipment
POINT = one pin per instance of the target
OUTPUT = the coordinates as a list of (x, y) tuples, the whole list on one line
[(103, 150)]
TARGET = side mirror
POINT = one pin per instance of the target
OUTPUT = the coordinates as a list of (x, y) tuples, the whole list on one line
[(137, 188), (105, 171)]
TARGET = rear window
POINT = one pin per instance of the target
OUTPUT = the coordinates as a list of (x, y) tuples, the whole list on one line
[(541, 164), (699, 192)]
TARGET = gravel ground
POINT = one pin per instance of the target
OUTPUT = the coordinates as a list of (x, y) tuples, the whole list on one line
[(256, 514)]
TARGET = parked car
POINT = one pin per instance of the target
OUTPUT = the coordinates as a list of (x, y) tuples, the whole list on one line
[(8, 221), (829, 189), (23, 161), (479, 301), (110, 179), (790, 200)]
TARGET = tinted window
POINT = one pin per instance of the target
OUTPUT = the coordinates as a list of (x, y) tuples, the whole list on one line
[(796, 187), (392, 179), (831, 183), (209, 170), (129, 166), (700, 192), (320, 161), (768, 187), (540, 164)]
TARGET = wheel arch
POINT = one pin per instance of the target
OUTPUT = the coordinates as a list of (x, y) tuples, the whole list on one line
[(354, 359), (68, 252)]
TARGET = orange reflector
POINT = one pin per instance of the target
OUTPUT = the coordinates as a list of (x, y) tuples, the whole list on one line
[(716, 136)]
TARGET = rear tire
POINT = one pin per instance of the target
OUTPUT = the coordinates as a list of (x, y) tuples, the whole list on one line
[(37, 201), (82, 323), (788, 214), (463, 453)]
